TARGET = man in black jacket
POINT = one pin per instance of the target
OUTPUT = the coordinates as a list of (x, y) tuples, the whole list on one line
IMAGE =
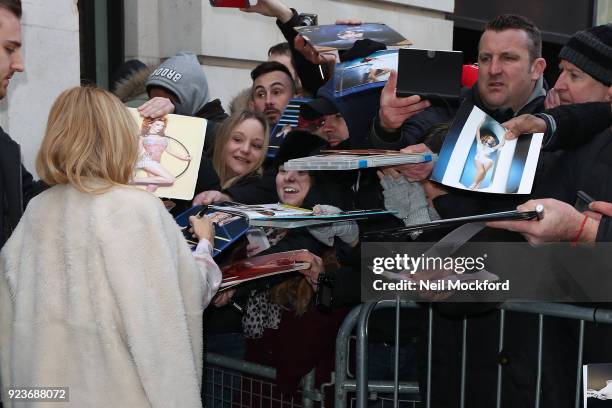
[(586, 168), (16, 184), (509, 83)]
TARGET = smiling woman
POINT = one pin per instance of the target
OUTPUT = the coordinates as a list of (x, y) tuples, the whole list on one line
[(240, 147)]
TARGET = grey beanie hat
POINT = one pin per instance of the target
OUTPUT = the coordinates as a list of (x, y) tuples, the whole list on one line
[(591, 51), (183, 76)]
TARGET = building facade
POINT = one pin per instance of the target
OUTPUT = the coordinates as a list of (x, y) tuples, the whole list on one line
[(231, 43)]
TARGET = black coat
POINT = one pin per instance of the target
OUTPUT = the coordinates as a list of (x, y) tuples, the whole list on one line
[(576, 124), (17, 186), (309, 73)]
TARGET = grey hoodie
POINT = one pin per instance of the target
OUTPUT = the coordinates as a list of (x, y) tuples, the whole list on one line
[(183, 76)]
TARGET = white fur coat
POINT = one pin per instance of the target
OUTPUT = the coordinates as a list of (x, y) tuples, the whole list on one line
[(100, 293)]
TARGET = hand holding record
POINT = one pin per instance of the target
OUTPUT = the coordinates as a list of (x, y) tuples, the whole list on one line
[(394, 110)]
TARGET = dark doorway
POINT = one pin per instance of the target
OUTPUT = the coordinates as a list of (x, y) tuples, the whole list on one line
[(557, 19), (101, 39)]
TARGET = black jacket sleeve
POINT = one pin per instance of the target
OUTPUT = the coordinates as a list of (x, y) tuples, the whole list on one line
[(412, 130), (345, 286), (29, 187), (309, 73), (577, 124)]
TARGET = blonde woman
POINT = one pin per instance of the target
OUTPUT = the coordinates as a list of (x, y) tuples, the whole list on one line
[(486, 145), (238, 155), (98, 289)]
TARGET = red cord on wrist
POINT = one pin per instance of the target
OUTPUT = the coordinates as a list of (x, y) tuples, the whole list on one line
[(577, 237)]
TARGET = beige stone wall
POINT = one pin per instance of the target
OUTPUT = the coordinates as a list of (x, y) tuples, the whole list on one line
[(50, 34), (231, 43)]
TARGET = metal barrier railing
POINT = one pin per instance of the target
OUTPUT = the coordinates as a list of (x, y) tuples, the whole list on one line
[(357, 320), (227, 384)]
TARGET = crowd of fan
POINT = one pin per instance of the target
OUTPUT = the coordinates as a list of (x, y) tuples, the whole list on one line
[(152, 356)]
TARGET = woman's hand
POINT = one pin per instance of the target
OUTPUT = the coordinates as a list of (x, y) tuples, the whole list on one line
[(223, 298), (209, 197), (202, 228), (316, 268)]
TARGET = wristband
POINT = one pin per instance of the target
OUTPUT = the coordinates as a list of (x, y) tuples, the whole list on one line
[(577, 237)]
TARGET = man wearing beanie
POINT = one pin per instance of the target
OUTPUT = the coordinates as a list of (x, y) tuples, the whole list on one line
[(586, 76), (586, 68), (578, 106)]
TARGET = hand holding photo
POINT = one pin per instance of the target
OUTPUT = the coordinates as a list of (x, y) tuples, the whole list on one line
[(170, 154)]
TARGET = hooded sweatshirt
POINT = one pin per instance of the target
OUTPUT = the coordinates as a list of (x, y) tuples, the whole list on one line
[(183, 76)]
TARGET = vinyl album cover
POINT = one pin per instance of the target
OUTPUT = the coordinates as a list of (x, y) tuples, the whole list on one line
[(170, 151), (343, 36), (258, 267), (364, 73), (291, 119), (476, 156), (286, 216), (359, 159), (229, 227)]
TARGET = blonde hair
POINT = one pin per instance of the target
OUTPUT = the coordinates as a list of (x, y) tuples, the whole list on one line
[(90, 136), (222, 138)]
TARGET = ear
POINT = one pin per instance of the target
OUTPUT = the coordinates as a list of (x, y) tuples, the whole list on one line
[(251, 105), (537, 67)]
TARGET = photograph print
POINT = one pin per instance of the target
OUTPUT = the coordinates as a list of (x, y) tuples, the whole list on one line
[(597, 385), (476, 156), (343, 36), (292, 118), (170, 150)]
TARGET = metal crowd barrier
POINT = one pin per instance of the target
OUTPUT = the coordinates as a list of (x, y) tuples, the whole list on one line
[(357, 321), (233, 383)]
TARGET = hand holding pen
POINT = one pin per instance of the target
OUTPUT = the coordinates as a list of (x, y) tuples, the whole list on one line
[(562, 222), (202, 227)]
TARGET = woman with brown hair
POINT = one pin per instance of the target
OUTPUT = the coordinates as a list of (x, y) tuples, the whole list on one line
[(99, 291)]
